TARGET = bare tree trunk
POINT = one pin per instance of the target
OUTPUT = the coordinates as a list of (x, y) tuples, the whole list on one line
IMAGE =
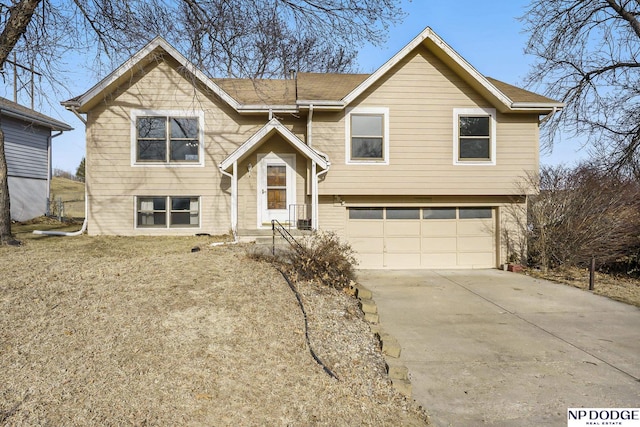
[(19, 19), (5, 203)]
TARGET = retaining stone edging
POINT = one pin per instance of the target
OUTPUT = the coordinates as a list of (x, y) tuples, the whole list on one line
[(396, 370)]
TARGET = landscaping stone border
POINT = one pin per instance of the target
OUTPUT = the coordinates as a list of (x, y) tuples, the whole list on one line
[(396, 370)]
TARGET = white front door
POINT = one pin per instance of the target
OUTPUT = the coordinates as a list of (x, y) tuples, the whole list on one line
[(276, 187)]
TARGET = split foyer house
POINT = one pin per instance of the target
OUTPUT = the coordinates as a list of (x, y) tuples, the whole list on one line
[(415, 165), (27, 147)]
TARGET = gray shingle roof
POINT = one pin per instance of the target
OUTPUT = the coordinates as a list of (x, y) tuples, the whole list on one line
[(18, 111)]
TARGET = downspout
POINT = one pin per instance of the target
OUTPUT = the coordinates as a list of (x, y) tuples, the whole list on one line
[(71, 233), (72, 108), (49, 145), (310, 126), (86, 198), (548, 116), (234, 230), (315, 202)]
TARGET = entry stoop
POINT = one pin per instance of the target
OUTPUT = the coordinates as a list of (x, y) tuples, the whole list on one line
[(263, 239)]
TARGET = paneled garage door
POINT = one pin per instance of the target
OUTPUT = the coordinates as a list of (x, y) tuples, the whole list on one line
[(439, 237)]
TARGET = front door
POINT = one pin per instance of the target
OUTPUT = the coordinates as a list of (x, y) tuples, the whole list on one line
[(276, 187)]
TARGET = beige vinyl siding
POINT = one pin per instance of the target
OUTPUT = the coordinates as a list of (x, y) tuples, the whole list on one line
[(113, 183), (421, 94), (332, 216)]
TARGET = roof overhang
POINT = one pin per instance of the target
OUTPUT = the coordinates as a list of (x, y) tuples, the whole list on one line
[(269, 129)]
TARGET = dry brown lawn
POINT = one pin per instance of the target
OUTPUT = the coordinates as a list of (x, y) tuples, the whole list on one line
[(621, 288), (100, 331), (71, 193)]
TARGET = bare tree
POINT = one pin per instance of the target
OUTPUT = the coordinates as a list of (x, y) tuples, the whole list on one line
[(580, 213), (16, 25), (588, 55), (225, 38)]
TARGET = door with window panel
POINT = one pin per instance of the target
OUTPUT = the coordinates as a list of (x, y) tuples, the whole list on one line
[(276, 188)]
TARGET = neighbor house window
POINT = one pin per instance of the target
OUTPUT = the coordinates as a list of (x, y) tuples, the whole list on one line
[(474, 136), (367, 131), (167, 212), (167, 137)]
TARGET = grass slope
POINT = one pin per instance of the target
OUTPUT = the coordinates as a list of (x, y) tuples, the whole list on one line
[(71, 193), (106, 331)]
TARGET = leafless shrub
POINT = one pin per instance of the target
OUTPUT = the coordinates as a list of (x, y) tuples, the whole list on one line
[(320, 256), (582, 213), (325, 258)]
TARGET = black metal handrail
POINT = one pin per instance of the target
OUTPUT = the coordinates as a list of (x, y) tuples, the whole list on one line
[(276, 226)]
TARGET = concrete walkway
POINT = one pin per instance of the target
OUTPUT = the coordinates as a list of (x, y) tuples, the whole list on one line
[(496, 348)]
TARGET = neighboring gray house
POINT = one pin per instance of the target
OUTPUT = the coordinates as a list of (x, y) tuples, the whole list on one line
[(27, 146)]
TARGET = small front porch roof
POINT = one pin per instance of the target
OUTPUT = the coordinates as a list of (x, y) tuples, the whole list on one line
[(271, 127)]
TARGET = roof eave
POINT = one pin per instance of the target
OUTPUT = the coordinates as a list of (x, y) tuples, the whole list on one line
[(543, 106), (51, 124)]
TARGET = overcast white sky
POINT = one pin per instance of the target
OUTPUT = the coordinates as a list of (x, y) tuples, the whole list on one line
[(486, 33)]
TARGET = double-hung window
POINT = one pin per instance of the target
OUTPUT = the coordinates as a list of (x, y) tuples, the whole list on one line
[(367, 131), (474, 136), (167, 212), (167, 137)]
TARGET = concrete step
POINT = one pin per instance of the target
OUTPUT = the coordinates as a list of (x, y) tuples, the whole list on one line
[(265, 237)]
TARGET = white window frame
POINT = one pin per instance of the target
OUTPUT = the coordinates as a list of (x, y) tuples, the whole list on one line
[(476, 112), (168, 211), (166, 113), (384, 112)]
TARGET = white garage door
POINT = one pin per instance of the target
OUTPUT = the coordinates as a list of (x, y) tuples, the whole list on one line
[(440, 237)]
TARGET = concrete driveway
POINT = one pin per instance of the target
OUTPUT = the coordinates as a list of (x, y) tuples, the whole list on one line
[(496, 348)]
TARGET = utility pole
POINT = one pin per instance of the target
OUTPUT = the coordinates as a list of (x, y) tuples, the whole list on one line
[(32, 73)]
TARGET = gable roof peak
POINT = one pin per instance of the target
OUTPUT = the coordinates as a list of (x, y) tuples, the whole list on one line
[(487, 87), (129, 67)]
